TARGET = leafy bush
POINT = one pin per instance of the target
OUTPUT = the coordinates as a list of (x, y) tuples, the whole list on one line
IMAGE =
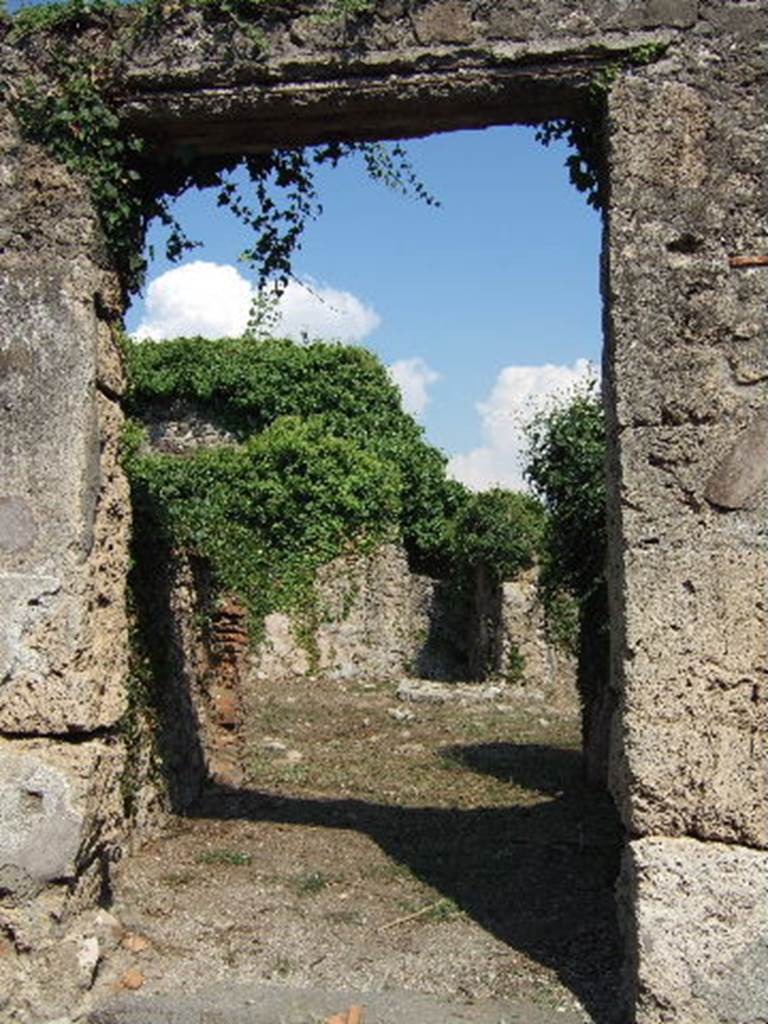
[(566, 467), (501, 530), (246, 385), (267, 513), (326, 459)]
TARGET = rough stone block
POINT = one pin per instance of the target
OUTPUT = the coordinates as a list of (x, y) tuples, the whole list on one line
[(444, 22), (698, 777), (57, 671), (57, 803), (740, 478), (510, 19), (695, 917), (63, 637), (693, 754), (657, 14)]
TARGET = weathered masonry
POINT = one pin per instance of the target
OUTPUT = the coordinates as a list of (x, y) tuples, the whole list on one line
[(686, 322)]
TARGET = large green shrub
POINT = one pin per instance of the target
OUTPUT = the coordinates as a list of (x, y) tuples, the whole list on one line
[(500, 530), (326, 459), (246, 385), (567, 469), (267, 513)]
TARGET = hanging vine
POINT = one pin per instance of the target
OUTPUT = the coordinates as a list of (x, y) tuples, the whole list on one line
[(71, 106), (586, 161)]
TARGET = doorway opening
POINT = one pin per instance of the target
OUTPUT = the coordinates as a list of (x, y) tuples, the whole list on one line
[(397, 761)]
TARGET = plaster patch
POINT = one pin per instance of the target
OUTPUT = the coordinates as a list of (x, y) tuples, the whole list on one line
[(39, 828), (18, 530)]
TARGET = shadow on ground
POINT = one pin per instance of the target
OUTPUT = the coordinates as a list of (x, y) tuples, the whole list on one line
[(539, 877)]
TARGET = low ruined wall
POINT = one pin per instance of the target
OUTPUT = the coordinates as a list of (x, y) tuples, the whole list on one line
[(372, 619), (508, 638)]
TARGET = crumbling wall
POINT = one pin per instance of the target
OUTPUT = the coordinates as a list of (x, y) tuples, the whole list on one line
[(686, 383), (64, 520), (374, 618), (508, 638), (371, 619)]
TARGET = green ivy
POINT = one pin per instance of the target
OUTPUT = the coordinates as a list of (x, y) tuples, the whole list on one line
[(567, 469), (500, 530), (245, 385), (267, 513), (78, 125), (586, 162), (70, 15), (566, 466), (325, 458)]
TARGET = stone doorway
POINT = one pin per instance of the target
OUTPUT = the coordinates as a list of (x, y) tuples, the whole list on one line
[(685, 294)]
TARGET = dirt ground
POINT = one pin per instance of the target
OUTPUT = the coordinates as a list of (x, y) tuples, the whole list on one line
[(443, 844)]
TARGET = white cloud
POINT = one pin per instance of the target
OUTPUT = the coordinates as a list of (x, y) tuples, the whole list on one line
[(518, 394), (196, 298), (214, 300), (318, 311), (414, 377)]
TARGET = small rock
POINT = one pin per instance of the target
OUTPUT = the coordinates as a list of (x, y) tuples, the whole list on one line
[(132, 979), (411, 748), (401, 714), (135, 943), (106, 928), (421, 692), (88, 955), (490, 693), (270, 743)]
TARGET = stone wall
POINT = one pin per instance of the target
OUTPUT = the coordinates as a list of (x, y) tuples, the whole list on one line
[(180, 426), (372, 619), (688, 383), (687, 387), (508, 638), (64, 521), (375, 619)]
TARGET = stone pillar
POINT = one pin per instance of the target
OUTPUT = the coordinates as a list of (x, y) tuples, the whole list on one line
[(687, 377), (63, 546)]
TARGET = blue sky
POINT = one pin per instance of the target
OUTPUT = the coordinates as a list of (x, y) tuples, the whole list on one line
[(503, 275)]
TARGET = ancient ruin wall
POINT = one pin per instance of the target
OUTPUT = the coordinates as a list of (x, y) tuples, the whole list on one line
[(64, 520), (686, 360), (686, 379)]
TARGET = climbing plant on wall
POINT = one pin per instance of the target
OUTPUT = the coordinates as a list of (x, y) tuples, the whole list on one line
[(324, 457), (585, 162), (70, 104)]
